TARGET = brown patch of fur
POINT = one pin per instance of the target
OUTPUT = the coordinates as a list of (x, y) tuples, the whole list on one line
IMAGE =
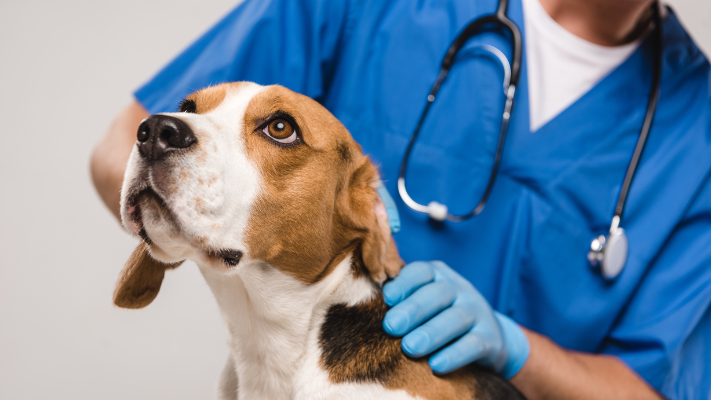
[(208, 99), (416, 378), (200, 204), (318, 199), (140, 280), (211, 97)]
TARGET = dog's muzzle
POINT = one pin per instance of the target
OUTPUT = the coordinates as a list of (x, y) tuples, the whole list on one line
[(160, 135)]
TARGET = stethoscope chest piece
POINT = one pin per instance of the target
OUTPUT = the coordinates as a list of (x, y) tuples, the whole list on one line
[(609, 253)]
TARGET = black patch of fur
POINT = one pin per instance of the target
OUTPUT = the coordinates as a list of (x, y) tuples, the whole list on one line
[(353, 341)]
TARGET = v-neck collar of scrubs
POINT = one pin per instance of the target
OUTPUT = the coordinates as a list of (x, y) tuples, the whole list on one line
[(618, 100)]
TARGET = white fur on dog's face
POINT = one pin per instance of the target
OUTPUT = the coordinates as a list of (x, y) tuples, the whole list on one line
[(206, 193)]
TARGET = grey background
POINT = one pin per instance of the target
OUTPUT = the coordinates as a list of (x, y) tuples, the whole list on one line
[(66, 69)]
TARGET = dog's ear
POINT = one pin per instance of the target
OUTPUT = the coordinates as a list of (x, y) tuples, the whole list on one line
[(140, 279), (369, 220), (391, 261)]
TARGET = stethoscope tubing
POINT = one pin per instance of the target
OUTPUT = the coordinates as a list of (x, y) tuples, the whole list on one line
[(608, 251), (649, 116), (498, 19)]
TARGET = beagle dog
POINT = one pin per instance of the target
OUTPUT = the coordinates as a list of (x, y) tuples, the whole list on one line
[(275, 202)]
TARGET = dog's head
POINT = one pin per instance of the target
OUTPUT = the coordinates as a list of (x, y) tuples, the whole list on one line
[(248, 174)]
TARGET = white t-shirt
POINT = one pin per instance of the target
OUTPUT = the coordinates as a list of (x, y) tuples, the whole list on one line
[(561, 66)]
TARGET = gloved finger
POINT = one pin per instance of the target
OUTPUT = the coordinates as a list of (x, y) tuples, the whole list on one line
[(412, 277), (466, 350), (446, 272), (418, 308), (440, 330)]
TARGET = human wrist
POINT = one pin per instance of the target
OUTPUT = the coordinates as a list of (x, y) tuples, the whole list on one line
[(516, 346)]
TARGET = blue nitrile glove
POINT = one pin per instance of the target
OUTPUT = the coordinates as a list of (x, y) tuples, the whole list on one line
[(436, 305)]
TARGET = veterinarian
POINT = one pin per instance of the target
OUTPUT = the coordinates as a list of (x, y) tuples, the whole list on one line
[(521, 287)]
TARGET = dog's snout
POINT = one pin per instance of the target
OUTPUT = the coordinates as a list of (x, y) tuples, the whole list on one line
[(159, 135)]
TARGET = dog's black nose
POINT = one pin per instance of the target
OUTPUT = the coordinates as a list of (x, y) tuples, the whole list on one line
[(159, 135)]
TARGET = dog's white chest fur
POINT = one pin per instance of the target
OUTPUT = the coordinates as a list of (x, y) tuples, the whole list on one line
[(274, 324)]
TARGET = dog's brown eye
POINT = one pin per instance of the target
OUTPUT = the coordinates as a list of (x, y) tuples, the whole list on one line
[(281, 131)]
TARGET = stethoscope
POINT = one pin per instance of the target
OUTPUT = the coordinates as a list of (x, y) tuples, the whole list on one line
[(608, 252)]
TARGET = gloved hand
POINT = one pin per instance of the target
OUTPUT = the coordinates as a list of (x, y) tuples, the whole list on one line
[(436, 305)]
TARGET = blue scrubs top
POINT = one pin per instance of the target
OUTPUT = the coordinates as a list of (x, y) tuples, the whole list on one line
[(371, 62)]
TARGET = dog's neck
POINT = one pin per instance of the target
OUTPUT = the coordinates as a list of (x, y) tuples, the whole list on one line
[(273, 321)]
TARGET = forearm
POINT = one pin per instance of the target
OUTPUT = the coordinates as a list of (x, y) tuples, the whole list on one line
[(108, 161), (552, 372)]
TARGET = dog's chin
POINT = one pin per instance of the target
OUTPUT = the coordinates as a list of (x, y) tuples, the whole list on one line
[(140, 200), (165, 244), (148, 216), (173, 251)]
